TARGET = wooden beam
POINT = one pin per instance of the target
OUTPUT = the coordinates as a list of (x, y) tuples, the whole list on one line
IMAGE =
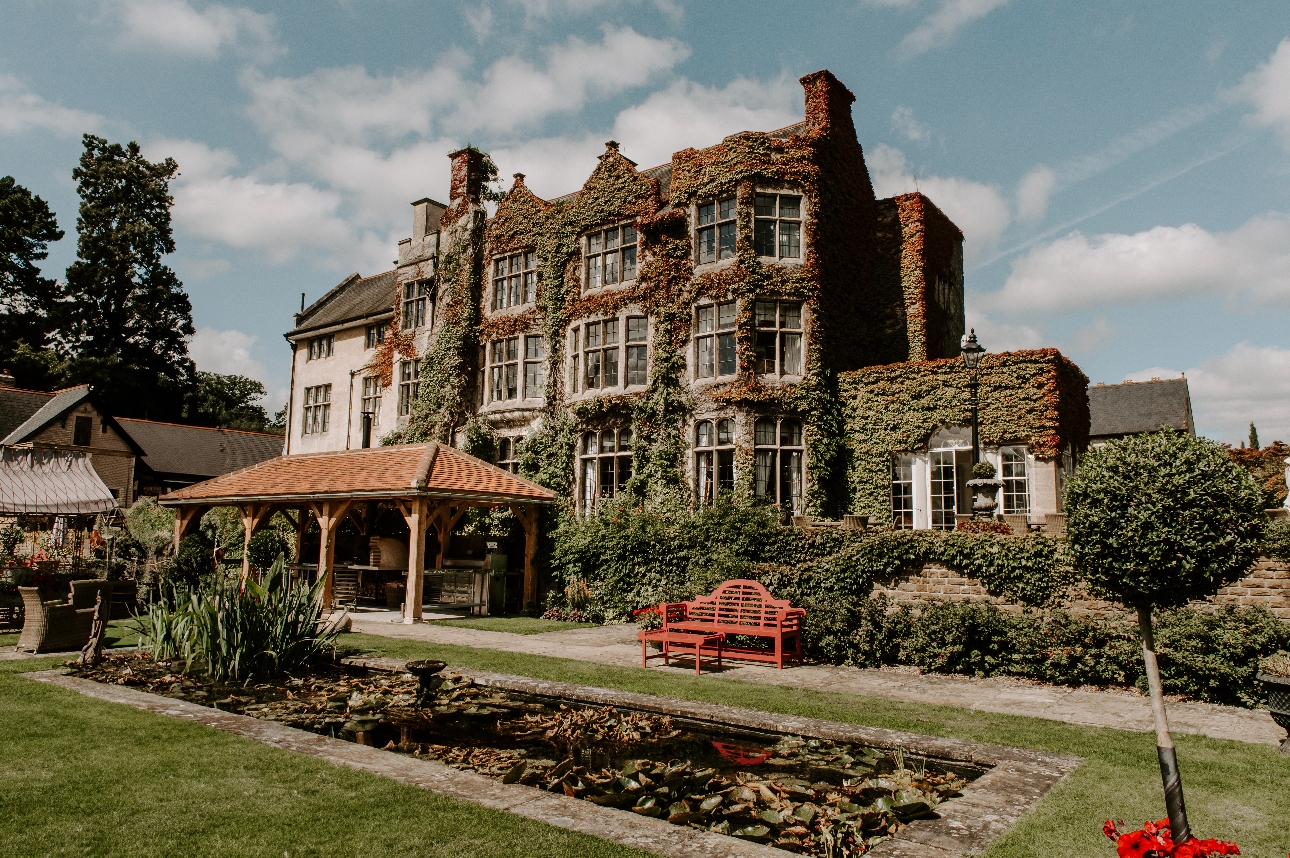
[(528, 516), (254, 517), (416, 515), (187, 519), (329, 513)]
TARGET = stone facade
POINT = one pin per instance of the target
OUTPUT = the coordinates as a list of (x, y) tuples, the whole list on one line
[(111, 455), (1267, 586)]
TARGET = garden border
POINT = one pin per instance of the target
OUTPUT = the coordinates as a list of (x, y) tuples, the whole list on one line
[(989, 806)]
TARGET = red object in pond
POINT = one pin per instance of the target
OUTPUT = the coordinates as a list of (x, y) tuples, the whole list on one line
[(741, 755)]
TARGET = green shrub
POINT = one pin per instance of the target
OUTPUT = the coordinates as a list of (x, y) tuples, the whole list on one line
[(959, 637), (1214, 655), (194, 562), (266, 545), (1058, 647), (1276, 539), (862, 633)]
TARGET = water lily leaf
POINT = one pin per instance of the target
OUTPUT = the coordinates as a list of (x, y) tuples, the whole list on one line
[(515, 772), (630, 769), (629, 784), (911, 809), (560, 770), (710, 803), (881, 804), (771, 816), (806, 812), (752, 832)]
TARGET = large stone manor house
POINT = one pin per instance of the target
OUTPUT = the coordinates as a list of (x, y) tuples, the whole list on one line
[(740, 311)]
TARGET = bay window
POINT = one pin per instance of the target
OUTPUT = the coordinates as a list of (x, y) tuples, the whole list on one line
[(504, 368), (714, 458), (777, 226), (1016, 485), (779, 337), (610, 256), (777, 462), (606, 464)]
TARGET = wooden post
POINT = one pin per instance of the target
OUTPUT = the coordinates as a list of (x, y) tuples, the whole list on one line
[(187, 518), (528, 516), (417, 516), (330, 513), (254, 517), (444, 522)]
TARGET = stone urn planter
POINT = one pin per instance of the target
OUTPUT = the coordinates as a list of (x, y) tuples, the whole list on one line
[(985, 494), (1278, 691)]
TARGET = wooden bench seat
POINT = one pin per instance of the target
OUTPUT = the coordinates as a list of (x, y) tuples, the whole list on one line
[(681, 640), (741, 608)]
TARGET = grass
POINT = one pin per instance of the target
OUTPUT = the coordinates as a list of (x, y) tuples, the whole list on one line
[(193, 790), (118, 633), (514, 625), (1234, 790)]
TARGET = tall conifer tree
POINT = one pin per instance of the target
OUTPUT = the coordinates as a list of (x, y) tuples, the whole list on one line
[(28, 302), (128, 317)]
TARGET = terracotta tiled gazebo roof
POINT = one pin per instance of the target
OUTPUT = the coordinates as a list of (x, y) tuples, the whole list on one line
[(431, 484), (407, 470)]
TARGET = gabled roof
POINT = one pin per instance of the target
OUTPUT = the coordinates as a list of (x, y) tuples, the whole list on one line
[(56, 408), (1143, 406), (402, 471), (45, 482), (352, 299), (199, 451), (17, 405)]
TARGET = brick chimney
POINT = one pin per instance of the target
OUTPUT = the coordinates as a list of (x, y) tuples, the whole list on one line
[(828, 103), (467, 176)]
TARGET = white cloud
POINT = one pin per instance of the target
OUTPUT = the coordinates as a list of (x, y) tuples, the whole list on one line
[(999, 336), (480, 20), (689, 114), (1033, 193), (1248, 383), (201, 269), (978, 209), (1268, 89), (940, 27), (22, 110), (177, 27), (229, 353), (1092, 337), (1163, 262), (904, 124)]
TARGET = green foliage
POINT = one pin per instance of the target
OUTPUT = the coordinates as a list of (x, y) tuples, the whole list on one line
[(1214, 655), (479, 440), (962, 637), (1276, 539), (28, 302), (235, 634), (194, 562), (10, 536), (1162, 519), (151, 526), (983, 471), (128, 318), (1254, 436), (268, 544), (230, 401)]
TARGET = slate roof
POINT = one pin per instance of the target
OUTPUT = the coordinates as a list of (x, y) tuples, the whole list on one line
[(353, 298), (406, 470), (199, 451), (17, 405), (1135, 407)]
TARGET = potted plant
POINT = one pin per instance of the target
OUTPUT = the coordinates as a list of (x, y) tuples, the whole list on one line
[(985, 490), (1274, 673)]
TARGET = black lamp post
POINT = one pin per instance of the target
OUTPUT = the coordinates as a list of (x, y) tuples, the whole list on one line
[(972, 351)]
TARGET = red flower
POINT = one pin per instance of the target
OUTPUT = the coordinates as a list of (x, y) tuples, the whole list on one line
[(1154, 841)]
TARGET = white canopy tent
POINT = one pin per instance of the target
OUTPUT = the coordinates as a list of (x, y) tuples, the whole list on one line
[(46, 482)]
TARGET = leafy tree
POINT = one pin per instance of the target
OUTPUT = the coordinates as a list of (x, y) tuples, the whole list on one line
[(1254, 436), (28, 302), (231, 401), (128, 316), (1157, 521)]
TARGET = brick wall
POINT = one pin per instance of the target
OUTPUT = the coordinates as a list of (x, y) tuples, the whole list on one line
[(1267, 585)]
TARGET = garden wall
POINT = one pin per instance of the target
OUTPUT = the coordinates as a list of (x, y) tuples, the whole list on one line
[(1267, 585)]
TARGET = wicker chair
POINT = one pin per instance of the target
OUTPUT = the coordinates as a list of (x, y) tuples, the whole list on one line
[(54, 626)]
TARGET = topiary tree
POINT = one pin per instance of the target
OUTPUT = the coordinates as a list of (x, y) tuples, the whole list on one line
[(1158, 521)]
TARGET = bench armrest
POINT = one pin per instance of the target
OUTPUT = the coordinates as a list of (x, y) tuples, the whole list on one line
[(673, 612)]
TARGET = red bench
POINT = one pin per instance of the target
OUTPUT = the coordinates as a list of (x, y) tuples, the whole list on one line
[(741, 607)]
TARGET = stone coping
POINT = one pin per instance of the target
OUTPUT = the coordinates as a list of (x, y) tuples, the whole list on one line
[(991, 804)]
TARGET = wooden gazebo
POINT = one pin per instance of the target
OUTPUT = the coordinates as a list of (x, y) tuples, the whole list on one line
[(431, 484)]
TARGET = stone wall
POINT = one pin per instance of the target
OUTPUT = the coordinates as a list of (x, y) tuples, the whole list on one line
[(1267, 585)]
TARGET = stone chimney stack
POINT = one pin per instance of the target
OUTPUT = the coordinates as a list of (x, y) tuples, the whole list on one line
[(467, 176), (828, 104)]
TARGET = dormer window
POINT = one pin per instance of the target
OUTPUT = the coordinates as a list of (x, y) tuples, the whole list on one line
[(610, 256), (514, 280), (777, 229), (416, 298), (715, 230)]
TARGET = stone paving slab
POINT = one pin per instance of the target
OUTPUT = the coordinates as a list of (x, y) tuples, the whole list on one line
[(617, 645)]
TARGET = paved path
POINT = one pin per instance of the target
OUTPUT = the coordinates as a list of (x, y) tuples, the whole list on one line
[(617, 645)]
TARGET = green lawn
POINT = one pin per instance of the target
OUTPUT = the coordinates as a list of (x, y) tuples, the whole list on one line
[(514, 625), (84, 777), (119, 633)]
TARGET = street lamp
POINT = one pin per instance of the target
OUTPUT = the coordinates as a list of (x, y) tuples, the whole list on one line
[(972, 351)]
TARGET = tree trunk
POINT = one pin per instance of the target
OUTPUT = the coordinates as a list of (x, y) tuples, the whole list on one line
[(92, 653), (1178, 828)]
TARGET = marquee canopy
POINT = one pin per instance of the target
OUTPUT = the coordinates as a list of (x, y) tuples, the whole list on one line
[(46, 482)]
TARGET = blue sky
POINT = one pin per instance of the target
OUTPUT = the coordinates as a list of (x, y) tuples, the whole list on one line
[(1121, 170)]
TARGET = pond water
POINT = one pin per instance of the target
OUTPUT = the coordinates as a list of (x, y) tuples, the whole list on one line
[(797, 793)]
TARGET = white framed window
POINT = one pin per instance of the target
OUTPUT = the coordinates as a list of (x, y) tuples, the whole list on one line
[(504, 369), (416, 300), (714, 233), (508, 450), (902, 492), (600, 354), (317, 416), (944, 488), (637, 350), (409, 385), (1016, 482), (606, 464), (372, 397), (779, 337), (777, 225), (777, 462), (714, 458), (375, 335), (321, 347), (514, 280), (534, 367), (610, 256), (714, 340)]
